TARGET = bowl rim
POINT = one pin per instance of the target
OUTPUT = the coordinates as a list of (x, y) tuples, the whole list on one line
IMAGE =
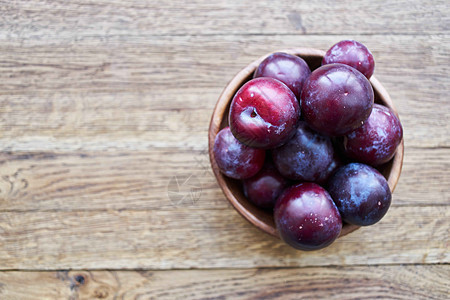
[(222, 104)]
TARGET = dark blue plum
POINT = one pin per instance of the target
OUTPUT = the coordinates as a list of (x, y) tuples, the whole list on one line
[(361, 194), (335, 164), (306, 156)]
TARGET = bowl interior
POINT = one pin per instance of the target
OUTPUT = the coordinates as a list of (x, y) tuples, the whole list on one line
[(233, 189)]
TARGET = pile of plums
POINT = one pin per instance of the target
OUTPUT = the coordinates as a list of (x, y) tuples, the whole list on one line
[(306, 144)]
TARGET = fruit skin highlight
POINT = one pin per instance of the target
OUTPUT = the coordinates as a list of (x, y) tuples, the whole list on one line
[(336, 99), (361, 194), (235, 159), (306, 217), (264, 113)]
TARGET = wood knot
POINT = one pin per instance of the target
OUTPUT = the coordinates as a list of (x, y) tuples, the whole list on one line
[(77, 281), (80, 279)]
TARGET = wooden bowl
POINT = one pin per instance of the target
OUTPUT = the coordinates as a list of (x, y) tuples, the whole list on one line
[(233, 189)]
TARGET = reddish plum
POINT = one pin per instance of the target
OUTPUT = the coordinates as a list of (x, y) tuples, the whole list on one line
[(235, 159), (289, 69), (264, 113), (306, 217), (264, 188), (305, 156), (361, 194), (336, 99), (376, 141), (353, 54)]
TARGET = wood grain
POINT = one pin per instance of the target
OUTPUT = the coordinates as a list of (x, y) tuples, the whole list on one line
[(365, 282), (103, 103), (168, 87), (141, 180), (59, 20), (206, 239), (74, 113)]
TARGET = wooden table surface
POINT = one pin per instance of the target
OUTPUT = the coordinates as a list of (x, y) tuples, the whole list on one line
[(105, 106)]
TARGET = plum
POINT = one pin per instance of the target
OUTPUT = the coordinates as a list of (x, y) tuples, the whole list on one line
[(264, 113), (353, 54), (306, 217), (361, 194), (289, 69), (376, 141), (264, 188), (235, 159), (304, 157), (336, 99), (335, 164)]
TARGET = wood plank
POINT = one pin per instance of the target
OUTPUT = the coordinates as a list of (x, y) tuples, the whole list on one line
[(367, 282), (206, 239), (138, 180), (105, 180), (59, 20), (163, 89)]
